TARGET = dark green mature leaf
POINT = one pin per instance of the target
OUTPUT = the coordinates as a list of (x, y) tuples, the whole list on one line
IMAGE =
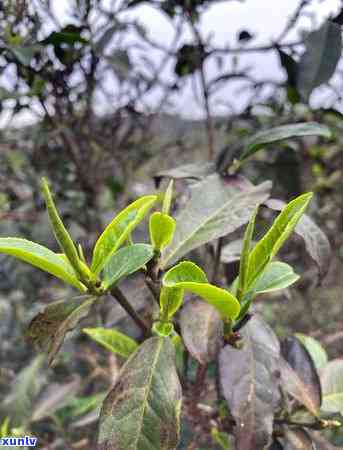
[(265, 250), (332, 385), (316, 242), (315, 349), (126, 261), (297, 439), (189, 277), (119, 229), (40, 257), (216, 208), (143, 409), (249, 384), (195, 171), (115, 341), (47, 330), (319, 62), (201, 330), (265, 137), (28, 383), (299, 375)]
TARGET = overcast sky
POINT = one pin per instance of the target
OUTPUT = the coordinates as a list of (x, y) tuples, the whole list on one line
[(265, 18)]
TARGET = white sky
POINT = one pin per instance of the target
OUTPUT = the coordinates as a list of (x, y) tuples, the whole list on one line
[(265, 18)]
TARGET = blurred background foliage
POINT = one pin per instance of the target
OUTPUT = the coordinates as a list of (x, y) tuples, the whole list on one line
[(103, 128)]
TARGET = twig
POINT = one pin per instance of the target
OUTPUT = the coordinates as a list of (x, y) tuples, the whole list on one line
[(124, 303)]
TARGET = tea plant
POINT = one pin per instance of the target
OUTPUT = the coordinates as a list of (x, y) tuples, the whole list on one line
[(268, 395)]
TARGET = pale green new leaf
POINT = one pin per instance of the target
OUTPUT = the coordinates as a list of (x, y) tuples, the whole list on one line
[(269, 245), (168, 197), (161, 228), (278, 275), (188, 276), (126, 261), (244, 261), (142, 411), (62, 236), (170, 301), (119, 230), (41, 257), (115, 341)]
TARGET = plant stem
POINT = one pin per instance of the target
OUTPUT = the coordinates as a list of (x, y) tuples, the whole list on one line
[(125, 304), (153, 289)]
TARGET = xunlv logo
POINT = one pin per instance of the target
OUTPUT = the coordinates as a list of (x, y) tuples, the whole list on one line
[(25, 441)]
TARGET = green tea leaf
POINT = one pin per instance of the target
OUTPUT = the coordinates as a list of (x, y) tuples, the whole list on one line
[(319, 62), (41, 257), (244, 261), (170, 301), (261, 139), (316, 242), (332, 386), (315, 349), (188, 276), (299, 375), (48, 329), (215, 209), (249, 384), (273, 240), (113, 340), (118, 231), (278, 275), (143, 409), (168, 197), (126, 261), (62, 236), (161, 227)]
